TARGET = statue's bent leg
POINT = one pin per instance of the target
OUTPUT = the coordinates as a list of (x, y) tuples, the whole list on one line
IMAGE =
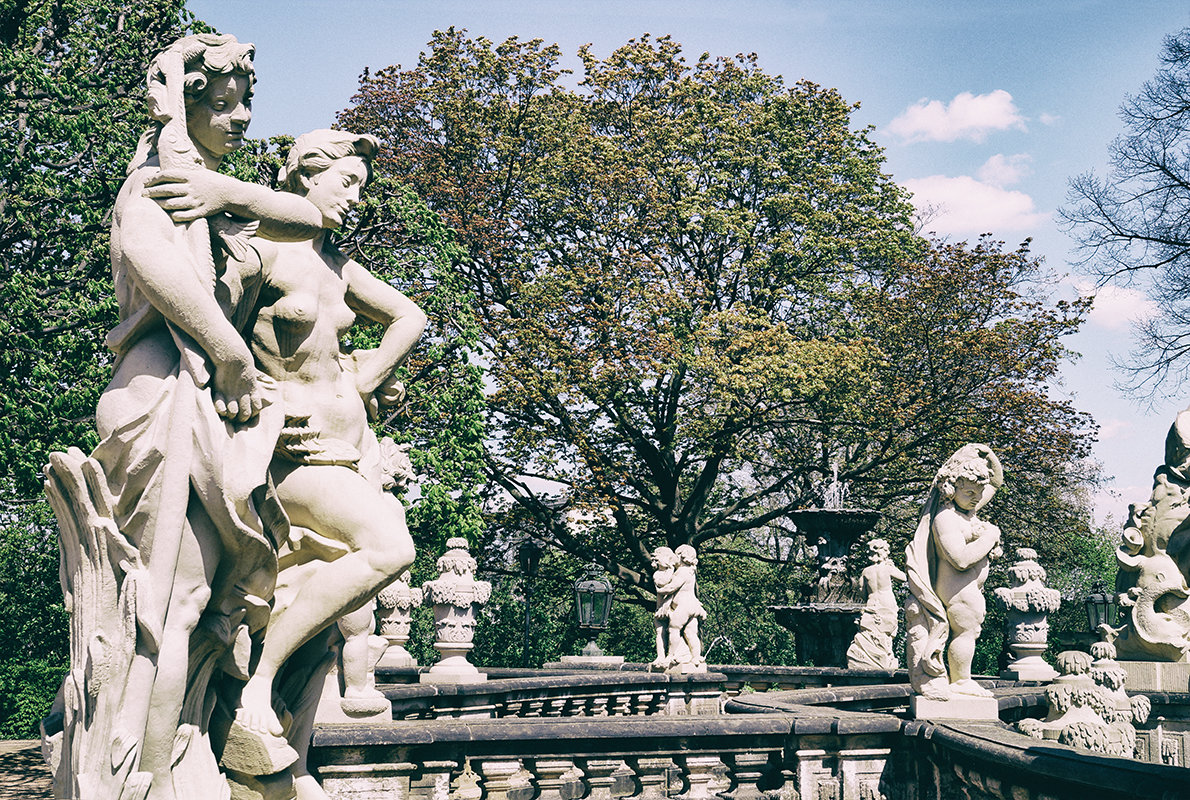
[(338, 503)]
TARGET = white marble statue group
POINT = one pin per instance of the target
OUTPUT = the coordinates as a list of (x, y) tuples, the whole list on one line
[(679, 648), (238, 503)]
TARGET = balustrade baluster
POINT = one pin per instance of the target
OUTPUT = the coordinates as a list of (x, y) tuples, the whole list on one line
[(652, 775), (746, 772), (698, 773), (466, 786), (500, 777), (551, 775), (433, 780), (598, 706), (600, 774)]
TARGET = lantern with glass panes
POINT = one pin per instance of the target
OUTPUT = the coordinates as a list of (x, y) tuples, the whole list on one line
[(593, 603), (1102, 607)]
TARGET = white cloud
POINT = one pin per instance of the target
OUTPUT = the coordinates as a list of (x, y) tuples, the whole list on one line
[(1047, 118), (967, 116), (966, 207), (1001, 170), (1117, 307), (1111, 428)]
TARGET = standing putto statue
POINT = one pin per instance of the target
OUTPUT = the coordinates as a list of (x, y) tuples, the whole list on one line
[(872, 647), (679, 648), (237, 504), (947, 563)]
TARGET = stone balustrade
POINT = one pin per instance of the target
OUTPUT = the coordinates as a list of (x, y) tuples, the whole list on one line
[(838, 742), (593, 694)]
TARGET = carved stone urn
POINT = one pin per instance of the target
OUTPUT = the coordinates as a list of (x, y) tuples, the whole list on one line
[(456, 597), (397, 602), (1029, 603)]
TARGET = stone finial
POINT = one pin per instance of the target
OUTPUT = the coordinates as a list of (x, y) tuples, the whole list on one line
[(397, 602), (456, 597), (1087, 705), (1029, 603)]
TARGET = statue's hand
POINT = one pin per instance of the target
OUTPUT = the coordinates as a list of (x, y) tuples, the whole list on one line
[(188, 195), (239, 389)]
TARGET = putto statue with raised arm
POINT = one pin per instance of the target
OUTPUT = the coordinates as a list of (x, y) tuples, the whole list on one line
[(946, 564)]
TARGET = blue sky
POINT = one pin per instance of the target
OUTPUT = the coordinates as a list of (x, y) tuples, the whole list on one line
[(985, 110)]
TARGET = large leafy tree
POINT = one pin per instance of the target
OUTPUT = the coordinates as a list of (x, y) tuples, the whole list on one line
[(1132, 223), (699, 292)]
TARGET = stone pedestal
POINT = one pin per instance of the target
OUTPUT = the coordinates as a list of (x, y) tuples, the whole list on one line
[(957, 707), (1157, 676)]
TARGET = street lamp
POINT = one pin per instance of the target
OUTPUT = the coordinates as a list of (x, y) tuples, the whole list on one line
[(593, 603), (529, 554), (1101, 608)]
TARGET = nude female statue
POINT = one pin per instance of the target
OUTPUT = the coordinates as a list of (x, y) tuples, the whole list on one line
[(327, 463), (947, 564), (872, 647)]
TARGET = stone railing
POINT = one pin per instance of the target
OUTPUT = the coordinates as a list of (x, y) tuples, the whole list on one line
[(564, 737), (740, 757)]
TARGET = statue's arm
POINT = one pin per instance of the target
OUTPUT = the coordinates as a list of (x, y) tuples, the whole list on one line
[(403, 323), (897, 573), (194, 194), (163, 267), (953, 546)]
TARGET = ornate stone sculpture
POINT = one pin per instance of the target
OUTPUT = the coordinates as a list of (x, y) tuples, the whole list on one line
[(1154, 560), (872, 647), (456, 596), (397, 602), (1088, 707), (1028, 602), (178, 549), (679, 648), (947, 564)]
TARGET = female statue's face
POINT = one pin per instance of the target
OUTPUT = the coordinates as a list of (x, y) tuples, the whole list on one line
[(218, 119), (967, 493), (337, 188)]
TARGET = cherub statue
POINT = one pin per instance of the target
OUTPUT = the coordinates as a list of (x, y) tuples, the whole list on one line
[(872, 646), (678, 610), (947, 564)]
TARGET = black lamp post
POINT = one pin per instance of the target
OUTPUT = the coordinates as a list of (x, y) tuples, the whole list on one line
[(529, 554), (1101, 608), (593, 603)]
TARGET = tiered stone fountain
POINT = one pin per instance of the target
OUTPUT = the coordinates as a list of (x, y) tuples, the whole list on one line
[(824, 623)]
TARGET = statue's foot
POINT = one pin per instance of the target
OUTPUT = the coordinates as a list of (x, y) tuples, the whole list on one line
[(364, 701), (969, 688), (256, 709), (936, 691), (254, 753)]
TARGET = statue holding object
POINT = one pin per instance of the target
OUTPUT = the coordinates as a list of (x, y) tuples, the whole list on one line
[(946, 564), (679, 648)]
